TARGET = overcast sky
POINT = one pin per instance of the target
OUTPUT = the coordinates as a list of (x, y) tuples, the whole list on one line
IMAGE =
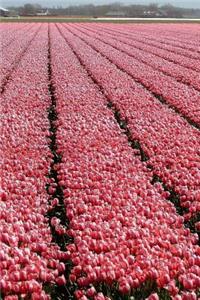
[(65, 3)]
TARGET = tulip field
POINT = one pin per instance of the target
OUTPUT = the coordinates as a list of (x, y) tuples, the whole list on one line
[(99, 161)]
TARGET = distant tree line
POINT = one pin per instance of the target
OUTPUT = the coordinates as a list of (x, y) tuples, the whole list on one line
[(114, 9)]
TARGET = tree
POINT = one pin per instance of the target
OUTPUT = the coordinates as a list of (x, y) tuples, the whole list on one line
[(171, 11), (153, 7), (30, 9)]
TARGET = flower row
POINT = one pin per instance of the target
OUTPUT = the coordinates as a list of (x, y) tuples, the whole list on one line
[(10, 32), (152, 47), (12, 54), (138, 52), (184, 35), (184, 98), (28, 257), (186, 46), (170, 142), (124, 229)]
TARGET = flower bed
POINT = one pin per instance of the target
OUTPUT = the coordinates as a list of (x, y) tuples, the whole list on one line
[(121, 224), (89, 162), (179, 95), (10, 56), (170, 142), (28, 258), (139, 52)]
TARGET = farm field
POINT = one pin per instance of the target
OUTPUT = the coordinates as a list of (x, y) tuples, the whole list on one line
[(90, 19), (100, 161)]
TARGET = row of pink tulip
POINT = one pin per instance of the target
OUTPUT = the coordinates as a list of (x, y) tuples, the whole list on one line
[(139, 53), (186, 99), (9, 32), (184, 47), (124, 228), (173, 33), (170, 142), (28, 257), (152, 47), (11, 55)]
